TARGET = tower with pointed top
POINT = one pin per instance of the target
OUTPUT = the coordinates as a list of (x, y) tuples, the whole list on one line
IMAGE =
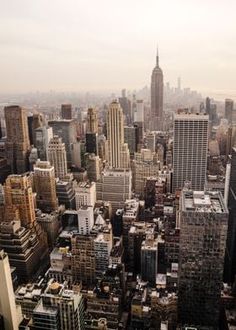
[(156, 119)]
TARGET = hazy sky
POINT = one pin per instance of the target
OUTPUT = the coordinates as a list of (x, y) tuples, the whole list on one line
[(74, 45)]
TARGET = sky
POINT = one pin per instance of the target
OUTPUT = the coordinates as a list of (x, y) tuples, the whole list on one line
[(101, 45)]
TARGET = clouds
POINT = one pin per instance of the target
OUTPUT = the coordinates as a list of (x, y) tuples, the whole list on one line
[(87, 45)]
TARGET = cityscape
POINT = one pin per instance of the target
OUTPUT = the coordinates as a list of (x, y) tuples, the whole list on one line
[(118, 207)]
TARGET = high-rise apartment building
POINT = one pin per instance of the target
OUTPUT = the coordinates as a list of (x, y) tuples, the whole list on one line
[(190, 150), (115, 136), (203, 223), (92, 121), (19, 196), (57, 156), (45, 186), (66, 111), (8, 310), (156, 119), (17, 142)]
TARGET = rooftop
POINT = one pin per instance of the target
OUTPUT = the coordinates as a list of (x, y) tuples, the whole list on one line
[(200, 201)]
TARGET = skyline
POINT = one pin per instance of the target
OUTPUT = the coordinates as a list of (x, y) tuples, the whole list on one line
[(81, 46)]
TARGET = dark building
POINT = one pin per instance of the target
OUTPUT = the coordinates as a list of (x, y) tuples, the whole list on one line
[(92, 143), (230, 254), (65, 194), (66, 111), (203, 223), (229, 108)]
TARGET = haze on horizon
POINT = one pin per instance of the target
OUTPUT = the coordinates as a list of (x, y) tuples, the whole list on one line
[(79, 45)]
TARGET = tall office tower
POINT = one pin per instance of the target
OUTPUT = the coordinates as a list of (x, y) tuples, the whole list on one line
[(203, 223), (125, 156), (156, 97), (115, 134), (126, 106), (115, 186), (83, 258), (190, 150), (42, 137), (149, 254), (130, 215), (59, 308), (230, 255), (92, 121), (17, 142), (45, 186), (85, 219), (151, 142), (229, 109), (8, 309), (85, 194), (66, 111), (34, 121), (93, 167), (103, 147), (66, 130), (139, 113), (130, 135), (57, 156), (92, 143), (144, 165), (18, 195)]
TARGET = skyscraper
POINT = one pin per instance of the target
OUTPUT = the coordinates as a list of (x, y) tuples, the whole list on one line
[(203, 223), (45, 186), (229, 108), (18, 195), (115, 135), (17, 143), (156, 97), (66, 130), (8, 309), (190, 150), (42, 137), (115, 132), (66, 111), (57, 156), (92, 121)]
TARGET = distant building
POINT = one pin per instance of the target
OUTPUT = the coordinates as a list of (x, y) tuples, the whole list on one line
[(66, 111), (156, 119), (66, 130), (229, 110), (17, 142), (42, 137), (92, 121)]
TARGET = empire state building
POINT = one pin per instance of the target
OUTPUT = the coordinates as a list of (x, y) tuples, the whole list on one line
[(156, 121)]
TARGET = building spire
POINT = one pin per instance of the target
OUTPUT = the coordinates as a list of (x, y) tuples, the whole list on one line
[(157, 57)]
